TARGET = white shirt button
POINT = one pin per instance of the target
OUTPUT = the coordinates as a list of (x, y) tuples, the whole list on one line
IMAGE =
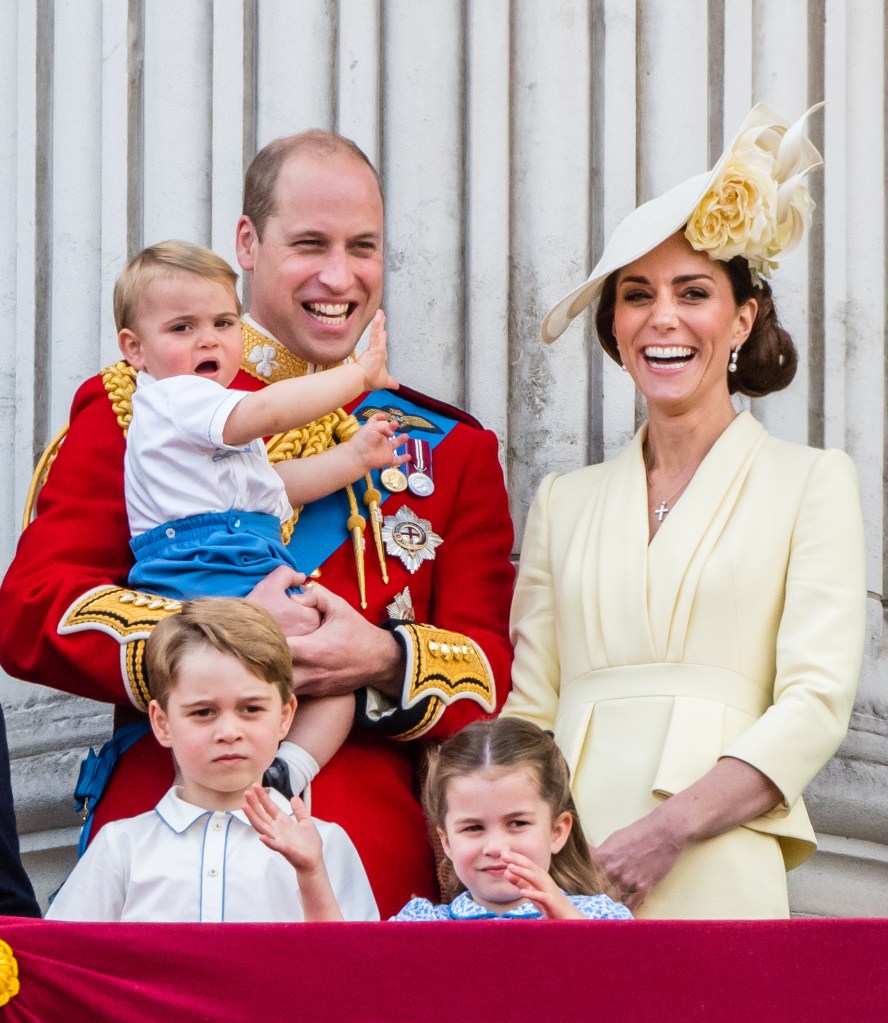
[(212, 872)]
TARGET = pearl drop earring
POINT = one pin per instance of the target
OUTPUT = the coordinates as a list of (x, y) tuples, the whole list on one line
[(732, 365)]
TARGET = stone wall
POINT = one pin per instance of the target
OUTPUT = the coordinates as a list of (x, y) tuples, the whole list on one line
[(512, 135)]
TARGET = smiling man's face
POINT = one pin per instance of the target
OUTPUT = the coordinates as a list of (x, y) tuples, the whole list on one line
[(316, 272)]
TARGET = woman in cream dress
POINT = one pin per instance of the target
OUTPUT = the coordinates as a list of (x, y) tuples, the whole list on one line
[(689, 617)]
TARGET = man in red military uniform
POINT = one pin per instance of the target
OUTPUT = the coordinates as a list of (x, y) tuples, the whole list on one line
[(417, 623)]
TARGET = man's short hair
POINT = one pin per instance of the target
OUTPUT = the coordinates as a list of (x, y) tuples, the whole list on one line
[(166, 261), (229, 625), (260, 183)]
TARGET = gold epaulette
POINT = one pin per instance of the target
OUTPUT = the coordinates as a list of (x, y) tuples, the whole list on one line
[(128, 617), (442, 667)]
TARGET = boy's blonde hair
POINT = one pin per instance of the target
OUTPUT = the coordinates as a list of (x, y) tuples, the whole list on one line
[(227, 624), (166, 261)]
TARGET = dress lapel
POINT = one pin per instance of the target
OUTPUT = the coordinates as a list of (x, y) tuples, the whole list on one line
[(678, 553), (621, 550)]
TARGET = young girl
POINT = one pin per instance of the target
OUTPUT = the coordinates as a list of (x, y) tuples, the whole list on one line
[(498, 795)]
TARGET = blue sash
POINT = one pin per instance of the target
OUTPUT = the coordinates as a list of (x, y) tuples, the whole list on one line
[(321, 529)]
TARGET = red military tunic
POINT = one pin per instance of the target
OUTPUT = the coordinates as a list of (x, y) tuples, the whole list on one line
[(69, 622)]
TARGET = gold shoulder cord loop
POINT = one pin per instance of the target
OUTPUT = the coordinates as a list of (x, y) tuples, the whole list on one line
[(120, 383), (41, 471)]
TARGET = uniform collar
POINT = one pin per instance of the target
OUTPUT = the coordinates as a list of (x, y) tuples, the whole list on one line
[(266, 359), (179, 815), (464, 907)]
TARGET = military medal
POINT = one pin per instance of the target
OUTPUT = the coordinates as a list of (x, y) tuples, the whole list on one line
[(401, 608), (409, 537), (393, 480), (419, 477)]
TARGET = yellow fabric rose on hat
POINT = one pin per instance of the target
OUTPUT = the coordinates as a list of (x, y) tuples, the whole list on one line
[(757, 205), (737, 215)]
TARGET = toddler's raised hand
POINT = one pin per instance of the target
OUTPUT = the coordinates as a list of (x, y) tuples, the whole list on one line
[(375, 445), (296, 838), (373, 360), (537, 886)]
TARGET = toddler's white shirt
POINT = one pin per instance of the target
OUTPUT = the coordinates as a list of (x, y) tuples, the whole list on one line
[(176, 463)]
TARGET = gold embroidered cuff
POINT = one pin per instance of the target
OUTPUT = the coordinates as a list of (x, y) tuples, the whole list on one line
[(127, 616), (445, 665)]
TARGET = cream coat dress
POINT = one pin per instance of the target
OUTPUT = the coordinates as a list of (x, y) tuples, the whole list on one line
[(738, 631)]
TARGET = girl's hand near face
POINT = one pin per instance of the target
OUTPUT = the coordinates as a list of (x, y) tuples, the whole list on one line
[(538, 887)]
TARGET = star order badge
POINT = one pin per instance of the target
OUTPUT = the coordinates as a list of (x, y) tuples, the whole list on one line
[(409, 537)]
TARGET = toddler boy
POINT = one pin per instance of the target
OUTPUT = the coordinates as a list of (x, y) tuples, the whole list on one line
[(205, 506)]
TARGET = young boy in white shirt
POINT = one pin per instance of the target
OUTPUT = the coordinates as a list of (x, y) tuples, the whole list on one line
[(218, 847)]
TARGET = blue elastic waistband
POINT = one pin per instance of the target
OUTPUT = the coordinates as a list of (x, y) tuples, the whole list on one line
[(196, 528)]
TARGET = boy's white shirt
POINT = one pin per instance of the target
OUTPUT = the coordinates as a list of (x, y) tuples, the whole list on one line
[(181, 863), (176, 463)]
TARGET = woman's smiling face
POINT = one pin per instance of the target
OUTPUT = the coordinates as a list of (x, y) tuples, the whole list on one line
[(676, 321)]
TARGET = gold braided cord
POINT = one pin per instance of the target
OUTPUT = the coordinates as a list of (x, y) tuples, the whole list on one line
[(372, 498), (120, 385), (347, 428), (302, 442), (38, 477)]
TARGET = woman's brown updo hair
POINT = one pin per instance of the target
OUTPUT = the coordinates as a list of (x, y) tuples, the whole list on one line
[(768, 359)]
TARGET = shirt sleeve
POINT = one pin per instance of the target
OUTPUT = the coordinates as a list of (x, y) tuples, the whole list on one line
[(600, 907), (347, 875), (419, 909), (96, 889), (536, 671)]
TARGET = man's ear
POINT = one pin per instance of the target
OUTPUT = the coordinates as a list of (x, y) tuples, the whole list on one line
[(160, 724), (131, 348), (246, 240)]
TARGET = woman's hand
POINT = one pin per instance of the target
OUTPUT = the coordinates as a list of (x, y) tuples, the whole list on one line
[(538, 887), (638, 857)]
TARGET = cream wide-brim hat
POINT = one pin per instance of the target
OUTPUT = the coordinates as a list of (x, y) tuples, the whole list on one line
[(768, 137)]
